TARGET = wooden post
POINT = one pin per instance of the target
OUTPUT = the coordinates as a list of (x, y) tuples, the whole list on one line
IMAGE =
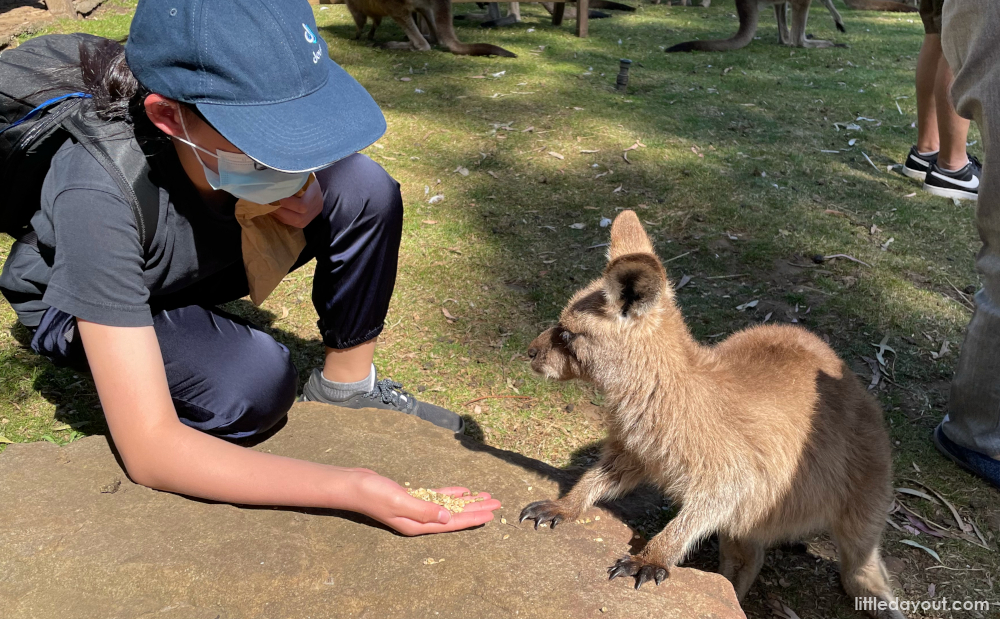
[(582, 17), (557, 13), (514, 9)]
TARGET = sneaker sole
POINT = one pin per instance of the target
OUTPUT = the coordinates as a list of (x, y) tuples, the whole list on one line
[(936, 438), (944, 192), (917, 174)]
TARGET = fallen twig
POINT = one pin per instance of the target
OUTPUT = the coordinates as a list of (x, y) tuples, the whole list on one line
[(727, 276), (846, 257), (961, 295), (499, 397), (680, 256), (962, 526)]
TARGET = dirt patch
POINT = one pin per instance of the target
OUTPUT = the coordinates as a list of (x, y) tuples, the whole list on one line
[(19, 17)]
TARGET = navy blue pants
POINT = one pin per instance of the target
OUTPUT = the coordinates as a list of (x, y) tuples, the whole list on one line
[(231, 379)]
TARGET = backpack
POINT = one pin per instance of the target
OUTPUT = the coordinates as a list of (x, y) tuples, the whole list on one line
[(42, 104)]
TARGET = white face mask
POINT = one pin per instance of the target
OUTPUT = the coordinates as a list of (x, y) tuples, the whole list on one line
[(241, 176)]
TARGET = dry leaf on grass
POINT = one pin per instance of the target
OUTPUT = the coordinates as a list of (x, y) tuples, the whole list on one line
[(556, 155), (917, 493), (5, 440), (910, 542), (448, 315), (578, 226), (962, 524), (780, 611), (882, 348), (684, 282), (922, 527), (876, 372), (942, 352), (747, 305), (430, 222)]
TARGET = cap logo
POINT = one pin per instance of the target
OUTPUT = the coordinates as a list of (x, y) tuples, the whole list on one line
[(310, 39)]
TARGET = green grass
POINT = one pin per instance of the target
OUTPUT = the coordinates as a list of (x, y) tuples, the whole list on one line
[(731, 148)]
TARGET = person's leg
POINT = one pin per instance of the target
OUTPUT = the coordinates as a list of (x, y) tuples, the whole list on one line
[(927, 67), (226, 377), (953, 174), (356, 244), (923, 154), (952, 128), (969, 36)]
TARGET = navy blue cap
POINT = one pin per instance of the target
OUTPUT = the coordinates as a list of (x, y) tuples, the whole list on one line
[(259, 72)]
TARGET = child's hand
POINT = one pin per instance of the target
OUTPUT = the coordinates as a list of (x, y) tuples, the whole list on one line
[(389, 503), (299, 211)]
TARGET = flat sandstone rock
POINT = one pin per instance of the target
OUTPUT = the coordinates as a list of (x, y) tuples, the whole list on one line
[(79, 540)]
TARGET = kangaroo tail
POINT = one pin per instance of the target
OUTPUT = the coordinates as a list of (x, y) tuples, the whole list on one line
[(748, 12), (446, 35)]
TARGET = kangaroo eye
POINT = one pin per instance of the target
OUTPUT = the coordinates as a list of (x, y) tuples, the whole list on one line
[(567, 337)]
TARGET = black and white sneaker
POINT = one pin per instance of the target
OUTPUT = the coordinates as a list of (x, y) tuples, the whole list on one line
[(917, 165), (387, 394), (963, 184)]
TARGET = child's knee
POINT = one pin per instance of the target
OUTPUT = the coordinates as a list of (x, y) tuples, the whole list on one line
[(250, 397), (358, 188)]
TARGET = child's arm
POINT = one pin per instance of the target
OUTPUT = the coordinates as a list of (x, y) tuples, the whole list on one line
[(162, 453)]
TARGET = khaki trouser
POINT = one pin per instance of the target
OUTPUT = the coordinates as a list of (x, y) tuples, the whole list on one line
[(970, 38)]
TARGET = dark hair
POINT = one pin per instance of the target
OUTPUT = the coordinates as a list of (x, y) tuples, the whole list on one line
[(117, 95)]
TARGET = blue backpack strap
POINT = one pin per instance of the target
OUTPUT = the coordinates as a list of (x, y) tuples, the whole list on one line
[(44, 105)]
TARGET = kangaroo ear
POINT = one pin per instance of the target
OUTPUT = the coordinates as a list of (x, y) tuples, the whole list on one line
[(635, 283), (628, 237)]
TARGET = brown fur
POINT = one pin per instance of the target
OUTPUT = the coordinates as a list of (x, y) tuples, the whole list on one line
[(438, 16), (763, 438), (749, 14)]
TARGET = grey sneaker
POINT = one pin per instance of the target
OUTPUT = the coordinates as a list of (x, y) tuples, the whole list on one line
[(388, 395)]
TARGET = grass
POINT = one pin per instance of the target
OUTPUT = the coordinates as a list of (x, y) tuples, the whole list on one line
[(733, 185)]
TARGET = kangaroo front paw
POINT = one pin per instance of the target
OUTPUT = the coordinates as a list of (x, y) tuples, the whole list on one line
[(642, 570), (543, 512)]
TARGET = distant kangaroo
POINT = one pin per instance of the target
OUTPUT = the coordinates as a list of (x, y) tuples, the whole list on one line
[(749, 13), (438, 16)]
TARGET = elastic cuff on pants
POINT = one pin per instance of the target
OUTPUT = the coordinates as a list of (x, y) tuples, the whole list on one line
[(332, 340)]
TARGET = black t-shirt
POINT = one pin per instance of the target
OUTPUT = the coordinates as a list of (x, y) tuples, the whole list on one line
[(89, 262)]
